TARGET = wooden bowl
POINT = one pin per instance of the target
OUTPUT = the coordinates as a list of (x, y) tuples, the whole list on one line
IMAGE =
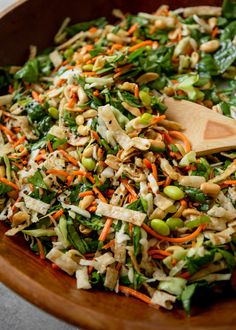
[(35, 22)]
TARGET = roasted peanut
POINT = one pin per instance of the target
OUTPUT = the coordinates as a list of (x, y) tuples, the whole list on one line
[(19, 218), (84, 230), (86, 202), (211, 189), (90, 113), (79, 120), (210, 46), (83, 130)]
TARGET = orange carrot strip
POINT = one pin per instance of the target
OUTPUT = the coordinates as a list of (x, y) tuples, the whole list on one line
[(105, 230), (141, 44), (117, 46), (9, 183), (129, 188), (86, 174), (132, 29), (185, 275), (21, 140), (71, 159), (7, 131), (95, 135), (158, 119), (35, 96), (182, 137), (100, 195), (86, 193), (147, 163), (49, 146), (14, 205), (128, 291), (41, 249), (173, 240), (92, 208), (154, 171), (162, 252), (228, 182), (93, 29), (58, 172), (109, 244), (136, 91), (58, 214)]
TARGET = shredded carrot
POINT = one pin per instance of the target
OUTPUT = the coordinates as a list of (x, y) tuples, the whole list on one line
[(128, 291), (35, 96), (117, 46), (96, 93), (109, 244), (130, 229), (41, 249), (167, 138), (158, 256), (86, 193), (183, 205), (182, 137), (105, 230), (141, 44), (92, 208), (39, 157), (95, 135), (9, 183), (14, 205), (136, 91), (133, 28), (7, 131), (100, 153), (20, 141), (162, 252), (167, 181), (58, 214), (147, 163), (158, 119), (71, 159), (86, 174), (154, 171), (100, 195), (130, 189), (58, 172), (170, 239), (228, 182), (93, 29), (214, 32), (49, 146), (185, 275)]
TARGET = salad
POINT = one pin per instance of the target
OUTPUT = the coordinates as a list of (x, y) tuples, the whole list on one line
[(96, 177)]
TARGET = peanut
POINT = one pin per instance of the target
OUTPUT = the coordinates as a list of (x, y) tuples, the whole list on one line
[(86, 202), (84, 230), (211, 189), (210, 46), (88, 152), (83, 130), (79, 120), (90, 113), (188, 212), (19, 218)]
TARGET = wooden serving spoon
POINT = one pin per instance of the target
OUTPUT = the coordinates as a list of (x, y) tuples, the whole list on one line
[(208, 131)]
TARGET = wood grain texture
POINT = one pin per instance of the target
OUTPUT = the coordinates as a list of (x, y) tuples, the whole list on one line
[(208, 131), (35, 22)]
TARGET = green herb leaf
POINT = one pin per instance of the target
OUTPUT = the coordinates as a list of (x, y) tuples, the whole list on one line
[(37, 180)]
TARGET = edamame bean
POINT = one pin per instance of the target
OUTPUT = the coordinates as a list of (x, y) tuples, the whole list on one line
[(68, 53), (174, 223), (53, 112), (173, 192), (88, 163), (88, 67), (145, 119), (160, 227)]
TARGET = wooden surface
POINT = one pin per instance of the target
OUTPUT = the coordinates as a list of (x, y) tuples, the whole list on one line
[(35, 22), (208, 131), (55, 292)]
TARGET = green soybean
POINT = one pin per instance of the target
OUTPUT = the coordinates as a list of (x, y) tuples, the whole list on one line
[(88, 67), (145, 119), (160, 227), (88, 163), (53, 112), (174, 223), (173, 192)]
